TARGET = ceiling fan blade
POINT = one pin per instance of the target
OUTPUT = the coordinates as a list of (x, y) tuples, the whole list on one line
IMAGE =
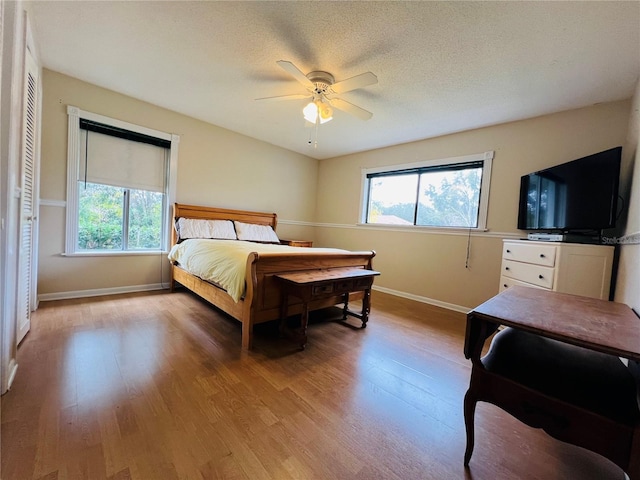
[(359, 81), (296, 73), (294, 96), (350, 108)]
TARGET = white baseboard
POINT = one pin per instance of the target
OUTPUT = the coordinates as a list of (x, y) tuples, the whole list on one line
[(157, 286), (11, 373), (418, 298), (44, 297)]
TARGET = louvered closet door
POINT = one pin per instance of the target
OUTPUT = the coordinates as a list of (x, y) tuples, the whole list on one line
[(27, 203)]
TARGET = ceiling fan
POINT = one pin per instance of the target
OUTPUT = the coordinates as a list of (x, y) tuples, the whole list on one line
[(322, 90)]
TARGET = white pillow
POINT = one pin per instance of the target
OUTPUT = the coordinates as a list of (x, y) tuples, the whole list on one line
[(256, 233), (200, 228)]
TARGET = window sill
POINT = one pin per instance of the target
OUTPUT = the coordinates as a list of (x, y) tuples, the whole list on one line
[(117, 253), (420, 228)]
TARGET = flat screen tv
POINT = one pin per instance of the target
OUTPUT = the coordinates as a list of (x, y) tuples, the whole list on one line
[(580, 196)]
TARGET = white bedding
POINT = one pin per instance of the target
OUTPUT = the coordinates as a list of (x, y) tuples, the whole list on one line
[(224, 262)]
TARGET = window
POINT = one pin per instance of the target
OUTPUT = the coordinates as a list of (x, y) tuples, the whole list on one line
[(448, 193), (119, 187)]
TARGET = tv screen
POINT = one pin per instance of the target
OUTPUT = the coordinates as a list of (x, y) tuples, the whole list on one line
[(580, 195)]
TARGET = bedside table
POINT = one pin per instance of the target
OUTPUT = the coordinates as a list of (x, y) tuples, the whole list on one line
[(296, 243)]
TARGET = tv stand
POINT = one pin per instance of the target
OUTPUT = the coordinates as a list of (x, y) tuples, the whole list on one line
[(574, 268)]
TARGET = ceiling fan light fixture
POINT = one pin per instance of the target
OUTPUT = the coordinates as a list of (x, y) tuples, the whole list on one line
[(310, 112), (325, 111), (318, 110)]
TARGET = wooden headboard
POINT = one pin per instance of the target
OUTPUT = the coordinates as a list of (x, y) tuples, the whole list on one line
[(213, 213)]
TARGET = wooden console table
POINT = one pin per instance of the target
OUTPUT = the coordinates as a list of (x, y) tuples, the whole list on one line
[(522, 376), (317, 284)]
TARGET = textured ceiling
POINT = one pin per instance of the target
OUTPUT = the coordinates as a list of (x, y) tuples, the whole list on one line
[(442, 67)]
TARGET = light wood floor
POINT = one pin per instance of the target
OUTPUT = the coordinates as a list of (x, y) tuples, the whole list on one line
[(155, 386)]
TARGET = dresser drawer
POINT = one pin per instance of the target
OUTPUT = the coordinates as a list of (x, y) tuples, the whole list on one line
[(322, 289), (343, 286), (529, 273), (506, 282), (530, 253), (363, 283)]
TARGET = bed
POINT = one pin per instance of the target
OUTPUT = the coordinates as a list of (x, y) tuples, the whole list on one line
[(261, 300)]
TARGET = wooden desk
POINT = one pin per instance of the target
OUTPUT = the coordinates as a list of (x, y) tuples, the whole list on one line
[(596, 325), (599, 325), (316, 284)]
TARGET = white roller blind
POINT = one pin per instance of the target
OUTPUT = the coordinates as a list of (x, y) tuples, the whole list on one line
[(121, 163)]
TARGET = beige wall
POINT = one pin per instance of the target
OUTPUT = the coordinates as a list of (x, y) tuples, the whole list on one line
[(222, 168), (628, 283), (216, 167), (432, 267)]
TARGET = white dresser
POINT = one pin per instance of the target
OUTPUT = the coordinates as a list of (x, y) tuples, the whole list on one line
[(574, 268)]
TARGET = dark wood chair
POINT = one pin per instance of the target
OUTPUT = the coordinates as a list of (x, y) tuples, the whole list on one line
[(576, 395)]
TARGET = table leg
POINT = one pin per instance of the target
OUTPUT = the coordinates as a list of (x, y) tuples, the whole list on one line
[(366, 307), (304, 321), (345, 310), (469, 412)]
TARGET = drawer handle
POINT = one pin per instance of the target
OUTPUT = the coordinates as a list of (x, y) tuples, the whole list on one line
[(542, 255), (508, 251), (506, 268), (505, 285), (540, 277)]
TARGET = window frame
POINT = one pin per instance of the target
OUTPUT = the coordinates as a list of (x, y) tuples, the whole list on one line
[(73, 163), (485, 158)]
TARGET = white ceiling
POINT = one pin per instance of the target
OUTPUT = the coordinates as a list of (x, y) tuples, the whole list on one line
[(442, 67)]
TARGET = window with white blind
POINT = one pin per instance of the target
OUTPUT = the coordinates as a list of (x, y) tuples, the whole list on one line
[(119, 186)]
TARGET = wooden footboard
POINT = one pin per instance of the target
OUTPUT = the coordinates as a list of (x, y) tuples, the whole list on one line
[(263, 296), (262, 299)]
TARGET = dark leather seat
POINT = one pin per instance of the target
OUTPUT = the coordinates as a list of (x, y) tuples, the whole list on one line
[(592, 380)]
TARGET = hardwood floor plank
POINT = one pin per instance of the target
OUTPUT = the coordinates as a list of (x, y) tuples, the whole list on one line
[(47, 454), (245, 457), (124, 474), (116, 458), (155, 386)]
